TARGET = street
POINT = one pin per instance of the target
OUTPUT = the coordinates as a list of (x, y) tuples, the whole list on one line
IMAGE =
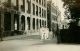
[(36, 45)]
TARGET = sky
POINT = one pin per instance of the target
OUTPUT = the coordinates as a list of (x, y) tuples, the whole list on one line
[(59, 3)]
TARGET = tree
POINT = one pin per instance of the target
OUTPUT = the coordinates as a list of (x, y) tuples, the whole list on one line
[(72, 6)]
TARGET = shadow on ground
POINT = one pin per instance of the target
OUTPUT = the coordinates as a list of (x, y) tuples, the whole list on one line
[(46, 42)]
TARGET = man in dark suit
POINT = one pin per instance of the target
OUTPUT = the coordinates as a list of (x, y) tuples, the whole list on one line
[(1, 34)]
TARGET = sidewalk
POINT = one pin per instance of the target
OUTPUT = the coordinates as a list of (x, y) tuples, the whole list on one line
[(33, 36), (21, 37)]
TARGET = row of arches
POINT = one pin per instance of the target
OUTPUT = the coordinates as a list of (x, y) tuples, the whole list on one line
[(37, 23), (16, 22), (17, 25)]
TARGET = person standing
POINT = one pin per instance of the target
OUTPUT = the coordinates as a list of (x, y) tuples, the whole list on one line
[(1, 34), (42, 33), (46, 33)]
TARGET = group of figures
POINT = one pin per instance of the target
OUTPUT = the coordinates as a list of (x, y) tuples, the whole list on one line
[(44, 33)]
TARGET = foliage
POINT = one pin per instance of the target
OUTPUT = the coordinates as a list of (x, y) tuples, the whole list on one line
[(73, 7)]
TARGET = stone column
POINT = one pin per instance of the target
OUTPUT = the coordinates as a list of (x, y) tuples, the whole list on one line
[(2, 26), (39, 24), (19, 23), (31, 17), (2, 20), (26, 24), (35, 25), (12, 21)]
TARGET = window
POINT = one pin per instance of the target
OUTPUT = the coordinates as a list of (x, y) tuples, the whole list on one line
[(54, 10), (40, 11), (33, 23), (7, 21), (28, 21), (40, 23), (37, 23), (29, 7), (42, 2), (45, 13), (33, 9), (37, 10), (45, 23), (37, 1), (23, 6), (17, 5)]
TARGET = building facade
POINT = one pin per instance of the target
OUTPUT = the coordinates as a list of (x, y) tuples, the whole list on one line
[(53, 16), (18, 16)]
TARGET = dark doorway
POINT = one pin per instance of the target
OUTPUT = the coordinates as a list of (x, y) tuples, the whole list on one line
[(16, 21), (28, 21), (37, 23), (23, 22), (43, 22), (40, 23), (33, 23), (0, 20), (7, 21)]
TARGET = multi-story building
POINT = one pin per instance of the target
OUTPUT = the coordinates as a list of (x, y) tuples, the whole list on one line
[(22, 15), (9, 14), (38, 14), (53, 16)]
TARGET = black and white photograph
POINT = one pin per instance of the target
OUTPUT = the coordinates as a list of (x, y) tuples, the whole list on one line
[(39, 25)]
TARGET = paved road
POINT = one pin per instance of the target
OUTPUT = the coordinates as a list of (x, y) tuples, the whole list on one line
[(36, 45)]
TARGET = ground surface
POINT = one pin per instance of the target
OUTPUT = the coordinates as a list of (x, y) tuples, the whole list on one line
[(36, 45)]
